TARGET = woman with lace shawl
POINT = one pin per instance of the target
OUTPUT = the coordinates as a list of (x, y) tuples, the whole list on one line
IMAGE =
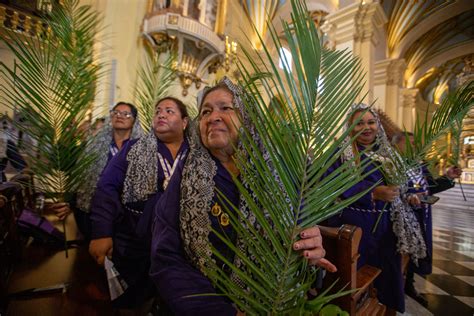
[(181, 233), (421, 182), (388, 224), (122, 126), (126, 192)]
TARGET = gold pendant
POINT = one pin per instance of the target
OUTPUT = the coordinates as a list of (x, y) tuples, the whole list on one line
[(417, 186), (224, 219), (216, 210)]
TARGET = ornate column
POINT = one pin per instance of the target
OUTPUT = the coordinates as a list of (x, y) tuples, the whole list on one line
[(388, 80), (358, 27), (406, 113)]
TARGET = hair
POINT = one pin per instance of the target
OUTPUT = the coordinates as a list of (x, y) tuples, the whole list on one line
[(132, 107), (390, 127), (396, 138), (181, 106), (219, 86)]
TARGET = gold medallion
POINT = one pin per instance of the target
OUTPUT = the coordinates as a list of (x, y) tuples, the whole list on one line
[(224, 219), (216, 210)]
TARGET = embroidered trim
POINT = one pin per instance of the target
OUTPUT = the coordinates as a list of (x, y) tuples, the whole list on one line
[(366, 210)]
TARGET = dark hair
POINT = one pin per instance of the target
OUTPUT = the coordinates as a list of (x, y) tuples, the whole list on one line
[(181, 106), (399, 136), (132, 107), (219, 86)]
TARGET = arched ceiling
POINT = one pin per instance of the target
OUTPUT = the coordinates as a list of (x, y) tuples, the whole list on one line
[(434, 37)]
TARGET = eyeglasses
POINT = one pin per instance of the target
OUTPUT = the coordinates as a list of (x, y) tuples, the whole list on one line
[(124, 114)]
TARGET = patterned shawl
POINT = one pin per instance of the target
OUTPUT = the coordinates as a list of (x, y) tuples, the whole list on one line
[(404, 223), (100, 147), (141, 179), (197, 192)]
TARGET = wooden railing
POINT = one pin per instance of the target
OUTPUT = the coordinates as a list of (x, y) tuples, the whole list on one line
[(20, 22)]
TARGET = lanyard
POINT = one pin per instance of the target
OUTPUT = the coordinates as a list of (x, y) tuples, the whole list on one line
[(113, 149), (169, 170)]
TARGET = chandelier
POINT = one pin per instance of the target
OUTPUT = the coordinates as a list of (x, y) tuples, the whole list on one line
[(194, 34)]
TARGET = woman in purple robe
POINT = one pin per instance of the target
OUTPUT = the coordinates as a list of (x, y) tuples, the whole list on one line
[(388, 225), (126, 192), (122, 125), (181, 233), (421, 182)]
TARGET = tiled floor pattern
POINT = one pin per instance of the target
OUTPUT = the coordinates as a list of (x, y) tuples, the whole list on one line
[(450, 288)]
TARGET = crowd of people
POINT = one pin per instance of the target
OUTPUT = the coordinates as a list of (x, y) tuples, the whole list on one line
[(151, 204)]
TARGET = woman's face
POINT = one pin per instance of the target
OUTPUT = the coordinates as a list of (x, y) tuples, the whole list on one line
[(218, 122), (168, 123), (367, 124), (121, 117)]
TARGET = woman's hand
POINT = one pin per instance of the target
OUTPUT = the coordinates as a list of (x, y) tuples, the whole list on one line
[(61, 210), (99, 248), (386, 193), (413, 200), (311, 247), (454, 173)]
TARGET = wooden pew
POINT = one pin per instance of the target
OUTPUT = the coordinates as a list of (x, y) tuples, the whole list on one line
[(342, 246), (73, 285)]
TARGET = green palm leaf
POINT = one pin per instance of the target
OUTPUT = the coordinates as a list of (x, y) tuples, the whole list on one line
[(447, 116), (154, 81), (291, 191), (52, 85)]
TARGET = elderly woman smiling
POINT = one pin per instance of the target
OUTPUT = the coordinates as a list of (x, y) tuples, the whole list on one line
[(182, 236), (388, 224)]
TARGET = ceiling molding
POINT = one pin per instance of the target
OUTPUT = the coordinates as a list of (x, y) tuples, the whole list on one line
[(438, 17), (440, 59)]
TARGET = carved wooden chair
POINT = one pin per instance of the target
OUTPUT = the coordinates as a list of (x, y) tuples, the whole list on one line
[(342, 246)]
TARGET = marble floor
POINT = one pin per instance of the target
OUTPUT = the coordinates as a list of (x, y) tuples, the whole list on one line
[(450, 288)]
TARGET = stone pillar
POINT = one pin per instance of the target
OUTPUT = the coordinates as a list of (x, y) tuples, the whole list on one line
[(406, 113), (358, 27), (388, 80)]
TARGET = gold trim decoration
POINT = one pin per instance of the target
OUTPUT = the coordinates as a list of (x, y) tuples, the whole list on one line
[(223, 217), (216, 210)]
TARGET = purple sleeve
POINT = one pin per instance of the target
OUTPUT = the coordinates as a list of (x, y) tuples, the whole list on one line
[(363, 185), (106, 206), (174, 276)]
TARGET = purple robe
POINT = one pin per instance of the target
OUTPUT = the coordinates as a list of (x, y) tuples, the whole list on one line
[(377, 249), (426, 184), (175, 277), (128, 225)]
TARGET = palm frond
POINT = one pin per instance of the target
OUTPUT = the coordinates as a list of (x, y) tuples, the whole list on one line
[(154, 80), (452, 110), (287, 192), (52, 85)]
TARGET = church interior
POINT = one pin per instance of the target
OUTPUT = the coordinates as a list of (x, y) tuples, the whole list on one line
[(414, 54)]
